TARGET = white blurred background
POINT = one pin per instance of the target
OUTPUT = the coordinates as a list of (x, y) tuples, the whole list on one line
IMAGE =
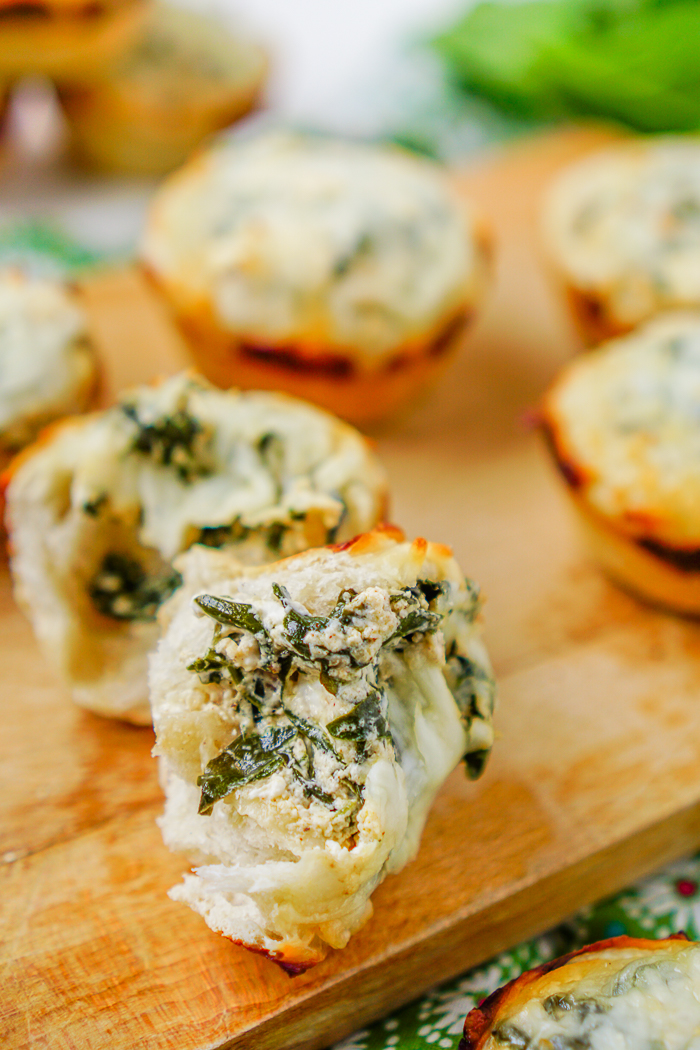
[(362, 69)]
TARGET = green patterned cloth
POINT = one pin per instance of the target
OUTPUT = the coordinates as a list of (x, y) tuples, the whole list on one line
[(655, 907)]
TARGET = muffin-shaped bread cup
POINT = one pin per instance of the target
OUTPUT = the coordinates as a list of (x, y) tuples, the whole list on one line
[(306, 714), (625, 992), (622, 228), (340, 272), (623, 423), (48, 364), (185, 77), (66, 39), (98, 509)]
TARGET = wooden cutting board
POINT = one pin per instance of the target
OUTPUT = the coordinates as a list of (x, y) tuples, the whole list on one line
[(594, 780)]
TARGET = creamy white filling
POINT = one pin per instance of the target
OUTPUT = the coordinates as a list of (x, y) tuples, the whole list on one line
[(628, 416), (305, 239), (627, 223), (654, 1002), (39, 366)]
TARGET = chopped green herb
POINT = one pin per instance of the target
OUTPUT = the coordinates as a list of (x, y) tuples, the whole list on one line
[(271, 450), (214, 667), (362, 722), (254, 757), (249, 758), (432, 589), (223, 535), (230, 614), (296, 624), (473, 689), (418, 620), (123, 590), (312, 732), (557, 1006), (92, 507), (176, 441), (274, 536), (328, 683), (475, 763), (512, 1036)]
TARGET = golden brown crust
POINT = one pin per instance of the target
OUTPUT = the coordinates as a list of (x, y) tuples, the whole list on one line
[(481, 1021), (185, 79), (71, 44), (335, 379), (665, 575), (291, 968), (592, 318)]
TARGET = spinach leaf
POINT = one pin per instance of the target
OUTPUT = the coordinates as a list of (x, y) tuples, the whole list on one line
[(172, 441), (122, 589), (214, 667), (222, 535), (249, 758), (417, 620), (296, 624), (312, 732), (432, 589), (364, 720), (274, 536), (466, 681), (475, 763), (271, 451), (230, 614), (92, 507)]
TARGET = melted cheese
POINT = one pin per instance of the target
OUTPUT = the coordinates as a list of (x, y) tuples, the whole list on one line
[(283, 866), (626, 224), (171, 466), (626, 418), (46, 364), (646, 1000), (314, 240)]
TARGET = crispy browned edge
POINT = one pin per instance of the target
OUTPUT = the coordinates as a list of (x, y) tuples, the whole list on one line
[(684, 559), (481, 1021), (292, 969), (19, 11)]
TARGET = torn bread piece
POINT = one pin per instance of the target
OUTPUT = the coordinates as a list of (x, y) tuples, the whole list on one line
[(306, 714), (101, 505), (624, 992)]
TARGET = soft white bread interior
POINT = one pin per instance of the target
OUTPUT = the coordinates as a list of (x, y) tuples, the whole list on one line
[(101, 505), (306, 713)]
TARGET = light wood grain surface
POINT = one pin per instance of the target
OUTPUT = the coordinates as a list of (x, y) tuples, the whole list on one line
[(595, 777)]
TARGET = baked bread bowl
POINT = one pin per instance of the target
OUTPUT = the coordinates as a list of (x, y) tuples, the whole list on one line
[(185, 77), (341, 272), (306, 713), (48, 364), (625, 992), (66, 39), (623, 424), (100, 506), (622, 229)]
